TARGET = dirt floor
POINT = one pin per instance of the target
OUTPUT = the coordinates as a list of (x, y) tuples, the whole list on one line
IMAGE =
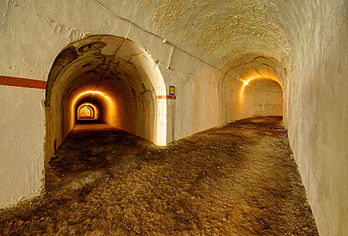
[(240, 179)]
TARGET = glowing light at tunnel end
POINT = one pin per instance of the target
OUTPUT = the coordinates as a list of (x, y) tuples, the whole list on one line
[(110, 105), (245, 82)]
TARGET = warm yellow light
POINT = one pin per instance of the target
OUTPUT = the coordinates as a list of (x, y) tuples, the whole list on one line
[(92, 92), (241, 92), (110, 105), (161, 120), (86, 112), (95, 110)]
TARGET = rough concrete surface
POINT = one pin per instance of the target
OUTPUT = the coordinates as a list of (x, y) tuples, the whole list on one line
[(211, 47), (22, 134)]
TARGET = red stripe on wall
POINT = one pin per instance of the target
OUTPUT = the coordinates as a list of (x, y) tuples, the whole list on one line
[(166, 97), (22, 82)]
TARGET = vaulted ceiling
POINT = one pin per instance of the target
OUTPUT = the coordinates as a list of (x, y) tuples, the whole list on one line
[(218, 31)]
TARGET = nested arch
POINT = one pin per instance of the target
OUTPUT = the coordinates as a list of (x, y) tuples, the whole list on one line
[(262, 97), (254, 84), (86, 111), (116, 75)]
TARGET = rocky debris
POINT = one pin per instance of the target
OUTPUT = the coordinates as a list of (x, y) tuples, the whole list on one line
[(240, 179)]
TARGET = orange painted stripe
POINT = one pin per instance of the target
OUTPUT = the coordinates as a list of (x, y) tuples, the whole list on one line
[(166, 97), (22, 82)]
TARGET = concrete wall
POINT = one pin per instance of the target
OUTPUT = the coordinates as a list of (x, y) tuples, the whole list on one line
[(262, 98), (22, 137), (318, 112), (299, 44)]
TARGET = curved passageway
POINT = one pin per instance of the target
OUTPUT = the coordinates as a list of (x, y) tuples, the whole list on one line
[(254, 84)]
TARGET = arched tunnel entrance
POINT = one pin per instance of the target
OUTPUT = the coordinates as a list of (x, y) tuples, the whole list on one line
[(87, 112), (105, 80), (254, 85), (261, 97)]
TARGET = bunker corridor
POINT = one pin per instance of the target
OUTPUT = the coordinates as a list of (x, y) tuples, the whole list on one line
[(173, 117), (111, 75), (107, 85)]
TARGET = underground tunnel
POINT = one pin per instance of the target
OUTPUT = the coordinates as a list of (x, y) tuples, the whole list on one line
[(262, 97), (87, 112), (63, 73), (253, 86), (104, 80)]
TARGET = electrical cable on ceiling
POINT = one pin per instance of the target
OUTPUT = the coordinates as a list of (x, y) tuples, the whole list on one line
[(129, 27), (170, 57)]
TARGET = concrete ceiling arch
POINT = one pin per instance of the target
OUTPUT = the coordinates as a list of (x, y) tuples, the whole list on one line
[(119, 75)]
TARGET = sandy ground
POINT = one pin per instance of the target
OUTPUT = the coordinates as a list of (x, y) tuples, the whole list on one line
[(240, 179)]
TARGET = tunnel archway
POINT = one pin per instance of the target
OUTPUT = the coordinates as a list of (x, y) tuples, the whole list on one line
[(261, 97), (86, 111), (254, 84), (114, 74)]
